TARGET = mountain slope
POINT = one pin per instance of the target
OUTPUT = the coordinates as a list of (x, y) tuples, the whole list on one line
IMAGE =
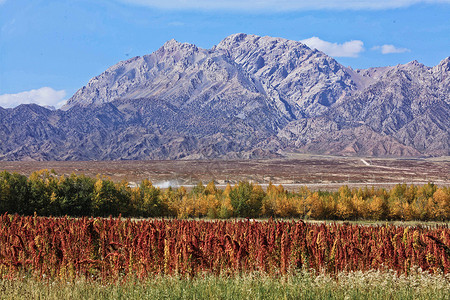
[(249, 96)]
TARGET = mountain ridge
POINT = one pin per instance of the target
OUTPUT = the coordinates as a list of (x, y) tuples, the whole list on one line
[(247, 97)]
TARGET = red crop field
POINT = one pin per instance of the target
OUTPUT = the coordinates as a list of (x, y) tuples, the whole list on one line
[(117, 249)]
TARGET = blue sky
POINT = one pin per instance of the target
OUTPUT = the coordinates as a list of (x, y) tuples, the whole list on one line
[(51, 48)]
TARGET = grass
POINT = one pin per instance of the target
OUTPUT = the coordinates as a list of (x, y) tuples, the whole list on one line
[(356, 285)]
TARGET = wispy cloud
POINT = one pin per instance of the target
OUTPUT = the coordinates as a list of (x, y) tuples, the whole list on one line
[(389, 49), (44, 96), (347, 49), (277, 5)]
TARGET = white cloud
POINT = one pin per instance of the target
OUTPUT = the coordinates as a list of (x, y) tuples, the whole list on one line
[(388, 49), (44, 96), (279, 5), (347, 49)]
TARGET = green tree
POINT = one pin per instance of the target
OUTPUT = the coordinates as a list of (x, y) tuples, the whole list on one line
[(246, 199), (15, 194), (42, 189), (75, 194), (151, 205), (109, 200)]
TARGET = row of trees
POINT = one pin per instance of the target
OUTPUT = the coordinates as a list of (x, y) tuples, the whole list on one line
[(45, 193)]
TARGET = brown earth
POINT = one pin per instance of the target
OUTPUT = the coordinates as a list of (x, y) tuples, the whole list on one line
[(317, 172)]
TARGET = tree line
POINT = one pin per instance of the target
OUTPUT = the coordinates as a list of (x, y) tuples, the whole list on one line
[(47, 194)]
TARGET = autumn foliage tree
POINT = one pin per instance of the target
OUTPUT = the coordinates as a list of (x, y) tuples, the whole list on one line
[(48, 194)]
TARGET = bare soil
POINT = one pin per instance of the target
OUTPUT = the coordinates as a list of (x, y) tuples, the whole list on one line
[(318, 172)]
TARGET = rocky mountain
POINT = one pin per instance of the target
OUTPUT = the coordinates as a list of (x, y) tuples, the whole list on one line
[(247, 97)]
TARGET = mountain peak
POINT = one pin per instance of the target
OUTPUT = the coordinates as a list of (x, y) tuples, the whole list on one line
[(237, 39), (444, 65), (415, 63), (173, 45), (253, 92)]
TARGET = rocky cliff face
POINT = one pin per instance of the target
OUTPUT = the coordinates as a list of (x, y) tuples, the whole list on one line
[(298, 81), (249, 96)]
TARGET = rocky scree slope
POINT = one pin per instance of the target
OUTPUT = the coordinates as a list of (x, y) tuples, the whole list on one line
[(247, 97)]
